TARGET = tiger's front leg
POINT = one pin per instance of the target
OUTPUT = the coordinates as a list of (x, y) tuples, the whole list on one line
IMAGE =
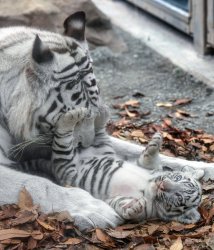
[(129, 208), (64, 157), (101, 137)]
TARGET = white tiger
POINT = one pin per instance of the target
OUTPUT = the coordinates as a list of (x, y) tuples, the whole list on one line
[(135, 193), (42, 75)]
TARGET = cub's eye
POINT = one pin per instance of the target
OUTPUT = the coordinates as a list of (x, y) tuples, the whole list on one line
[(177, 178), (191, 185)]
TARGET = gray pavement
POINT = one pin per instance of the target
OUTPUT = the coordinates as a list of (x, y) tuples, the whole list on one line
[(141, 69)]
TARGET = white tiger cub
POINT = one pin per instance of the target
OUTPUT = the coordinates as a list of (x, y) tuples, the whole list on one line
[(135, 193)]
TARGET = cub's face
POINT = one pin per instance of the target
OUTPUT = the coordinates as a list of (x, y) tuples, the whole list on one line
[(176, 193)]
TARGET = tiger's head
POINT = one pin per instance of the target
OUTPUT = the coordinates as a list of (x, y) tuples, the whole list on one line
[(177, 196), (58, 76)]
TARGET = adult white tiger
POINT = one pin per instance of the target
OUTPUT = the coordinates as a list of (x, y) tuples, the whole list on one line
[(42, 75)]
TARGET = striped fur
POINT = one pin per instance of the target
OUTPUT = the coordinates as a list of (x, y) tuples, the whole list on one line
[(41, 85), (42, 76), (135, 193)]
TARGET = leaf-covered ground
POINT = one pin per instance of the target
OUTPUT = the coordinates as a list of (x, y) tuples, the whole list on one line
[(191, 144), (24, 226)]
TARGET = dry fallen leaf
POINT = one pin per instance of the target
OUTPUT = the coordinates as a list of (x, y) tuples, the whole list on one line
[(24, 216), (175, 103), (104, 237), (37, 235), (164, 104), (8, 212), (182, 101), (32, 243), (137, 133), (13, 233), (10, 242), (212, 148), (177, 245), (72, 241), (152, 228), (129, 113), (119, 234), (144, 247), (25, 200), (45, 225), (131, 103)]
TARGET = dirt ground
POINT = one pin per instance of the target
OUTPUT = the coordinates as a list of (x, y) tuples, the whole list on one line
[(140, 69)]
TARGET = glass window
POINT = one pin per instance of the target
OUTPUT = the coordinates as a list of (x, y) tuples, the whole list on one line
[(181, 4)]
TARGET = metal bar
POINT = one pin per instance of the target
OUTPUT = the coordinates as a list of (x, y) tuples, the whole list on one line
[(199, 25), (167, 12), (210, 21)]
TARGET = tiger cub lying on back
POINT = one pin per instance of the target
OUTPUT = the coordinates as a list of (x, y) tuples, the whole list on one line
[(135, 193)]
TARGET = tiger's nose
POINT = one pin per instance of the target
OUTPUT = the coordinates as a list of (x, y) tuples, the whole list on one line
[(170, 186), (167, 185), (160, 185)]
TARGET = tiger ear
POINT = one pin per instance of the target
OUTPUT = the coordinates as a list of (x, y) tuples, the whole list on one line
[(74, 26), (198, 174), (41, 53), (192, 172)]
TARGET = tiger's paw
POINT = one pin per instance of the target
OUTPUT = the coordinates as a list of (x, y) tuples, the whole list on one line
[(88, 212), (154, 145), (68, 120), (133, 210), (102, 117), (190, 217), (149, 158)]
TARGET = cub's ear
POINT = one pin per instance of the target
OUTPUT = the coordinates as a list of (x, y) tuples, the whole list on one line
[(74, 26), (192, 172), (199, 173), (41, 53)]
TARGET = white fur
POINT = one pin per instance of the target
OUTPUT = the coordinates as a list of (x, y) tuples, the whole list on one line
[(52, 198), (19, 100), (131, 151), (86, 210)]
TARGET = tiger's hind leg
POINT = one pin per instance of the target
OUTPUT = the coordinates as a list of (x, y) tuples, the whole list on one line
[(129, 208), (149, 158), (64, 157), (102, 141), (102, 118)]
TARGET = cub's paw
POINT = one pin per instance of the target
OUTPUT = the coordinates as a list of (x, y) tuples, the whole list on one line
[(134, 210), (89, 212), (190, 217), (154, 145), (68, 120), (102, 117), (149, 158)]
